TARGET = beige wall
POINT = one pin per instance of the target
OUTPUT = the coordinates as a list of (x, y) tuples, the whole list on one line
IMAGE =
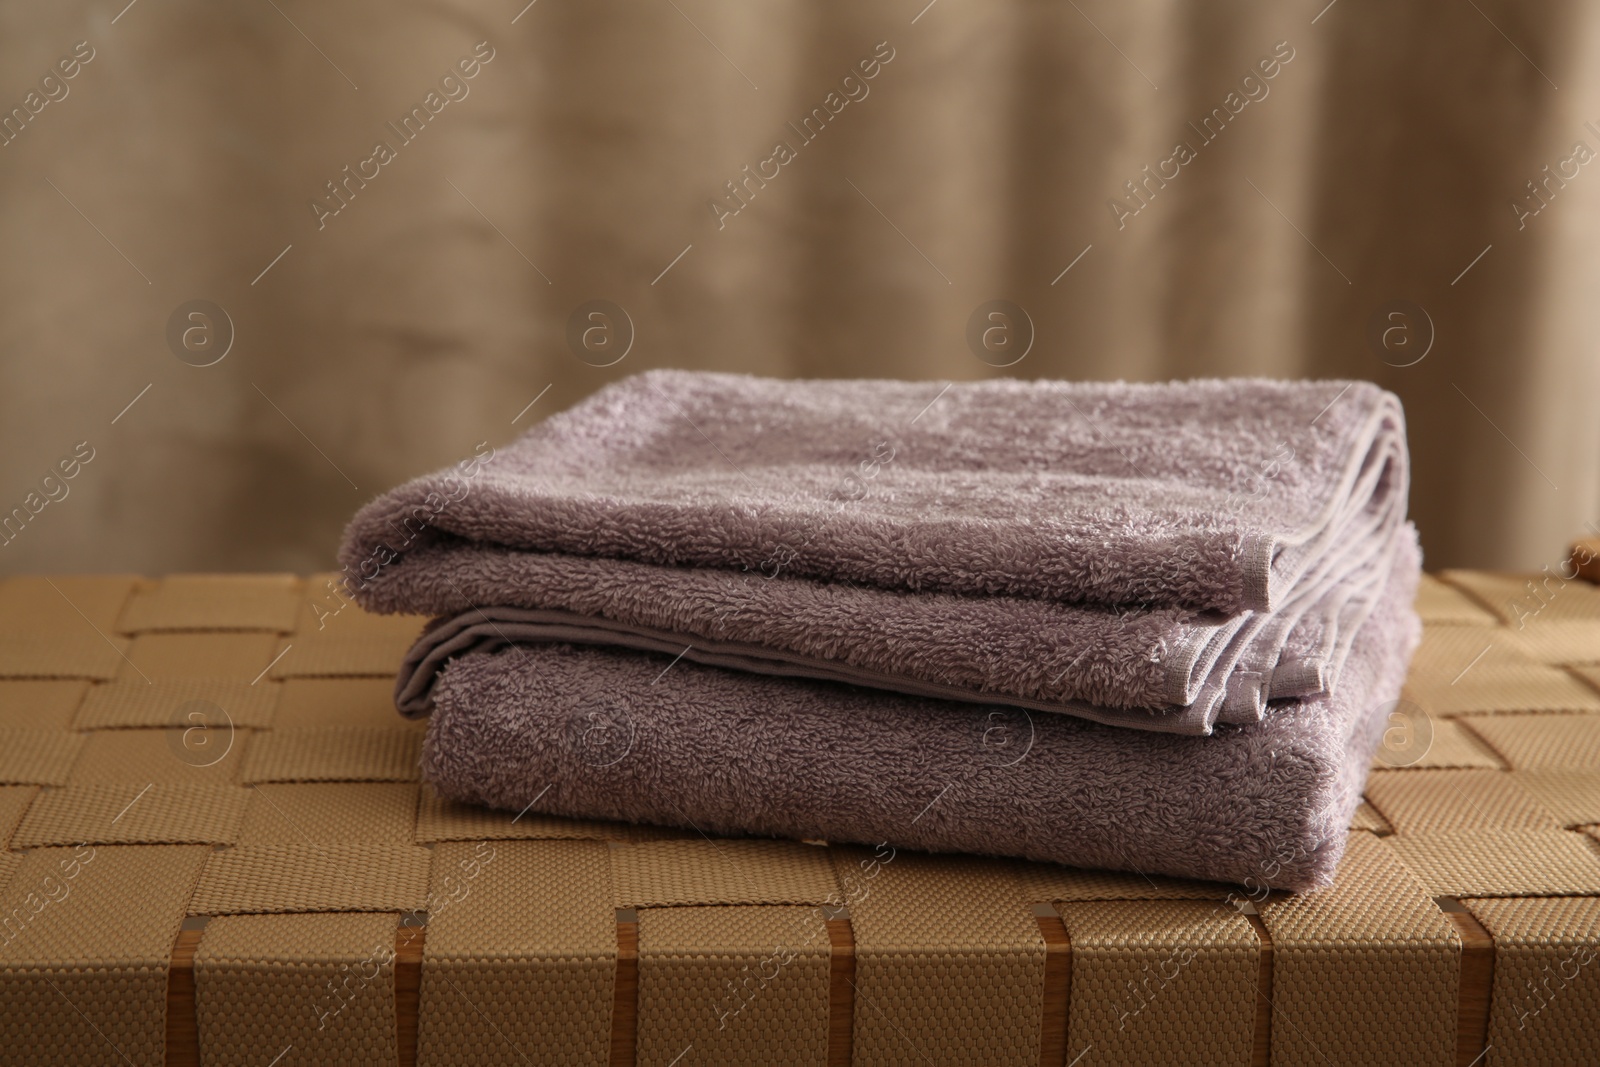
[(428, 312)]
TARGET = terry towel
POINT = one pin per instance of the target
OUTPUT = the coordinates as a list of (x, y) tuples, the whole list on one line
[(1139, 555), (618, 734)]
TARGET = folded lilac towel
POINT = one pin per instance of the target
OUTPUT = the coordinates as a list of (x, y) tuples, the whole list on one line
[(1135, 554), (602, 733)]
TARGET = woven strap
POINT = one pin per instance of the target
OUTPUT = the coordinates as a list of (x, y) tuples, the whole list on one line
[(203, 754), (1565, 642), (80, 654), (361, 655), (658, 873), (1453, 654), (1590, 675), (1529, 600), (345, 649), (1546, 980), (1439, 801), (1486, 689), (319, 986), (949, 960), (215, 602), (169, 703), (62, 627), (1493, 863), (64, 604), (335, 753), (10, 862), (1366, 817), (37, 757), (1449, 744), (14, 801), (1440, 602), (520, 957), (155, 657), (1572, 796), (307, 703), (83, 962), (1498, 669), (156, 813), (445, 820), (276, 878), (328, 611), (1045, 882), (1366, 971), (1542, 742), (737, 986), (330, 813), (1161, 983), (38, 704)]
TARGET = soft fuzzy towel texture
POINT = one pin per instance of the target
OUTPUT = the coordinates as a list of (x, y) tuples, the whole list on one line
[(600, 733), (1140, 555)]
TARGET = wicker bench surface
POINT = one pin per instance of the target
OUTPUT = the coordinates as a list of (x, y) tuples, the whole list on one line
[(216, 850)]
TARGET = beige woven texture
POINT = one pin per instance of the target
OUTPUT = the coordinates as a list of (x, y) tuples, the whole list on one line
[(64, 604), (1424, 801), (335, 639), (737, 986), (1542, 742), (10, 863), (37, 757), (1440, 602), (1572, 643), (1546, 980), (310, 703), (308, 877), (157, 813), (1045, 882), (445, 820), (330, 813), (521, 954), (1495, 863), (176, 756), (181, 703), (1368, 969), (45, 655), (335, 753), (319, 986), (1572, 796), (1366, 817), (226, 746), (62, 627), (14, 802), (1451, 745), (155, 657), (214, 602), (40, 704), (657, 873), (358, 654), (1489, 670), (1167, 983), (83, 961), (949, 960)]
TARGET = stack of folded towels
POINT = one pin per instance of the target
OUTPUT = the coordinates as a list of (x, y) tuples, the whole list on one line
[(1155, 628)]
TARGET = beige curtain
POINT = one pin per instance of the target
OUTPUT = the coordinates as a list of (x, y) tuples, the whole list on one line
[(1381, 161)]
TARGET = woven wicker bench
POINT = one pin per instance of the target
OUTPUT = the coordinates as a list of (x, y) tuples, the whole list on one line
[(216, 851)]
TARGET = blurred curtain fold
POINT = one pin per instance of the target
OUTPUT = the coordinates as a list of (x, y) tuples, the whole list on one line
[(1382, 162)]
